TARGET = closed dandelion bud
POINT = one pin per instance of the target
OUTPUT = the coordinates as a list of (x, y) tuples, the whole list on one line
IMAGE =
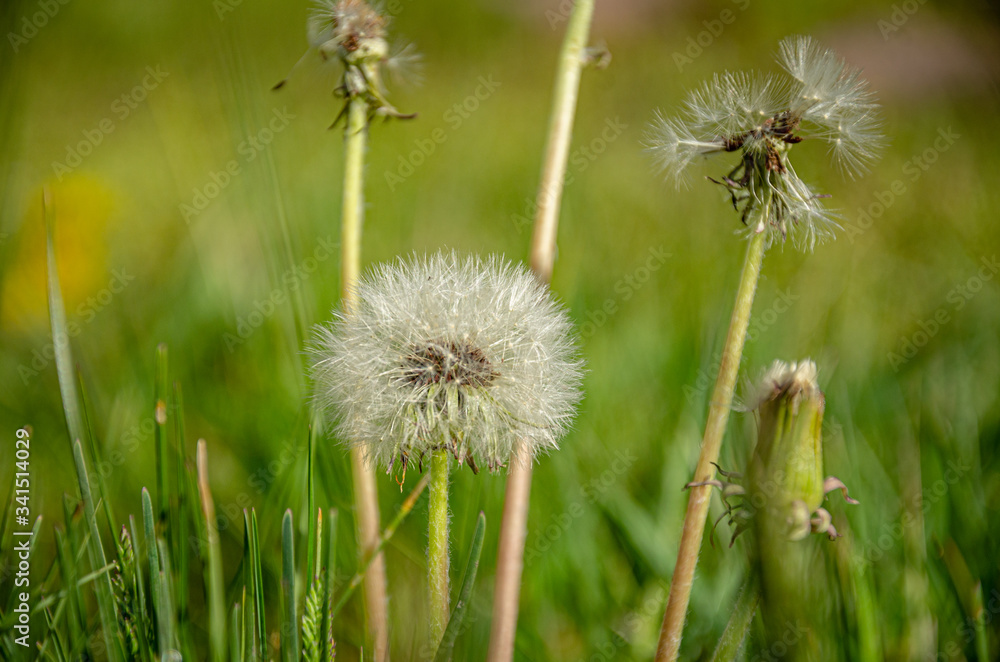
[(786, 480), (473, 356), (786, 486)]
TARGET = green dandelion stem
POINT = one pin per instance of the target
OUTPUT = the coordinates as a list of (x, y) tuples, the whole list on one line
[(437, 549), (715, 427)]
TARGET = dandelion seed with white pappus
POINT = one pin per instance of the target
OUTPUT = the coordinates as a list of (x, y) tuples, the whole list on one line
[(473, 356), (762, 116)]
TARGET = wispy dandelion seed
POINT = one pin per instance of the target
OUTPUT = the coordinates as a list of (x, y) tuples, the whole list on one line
[(473, 356), (762, 116)]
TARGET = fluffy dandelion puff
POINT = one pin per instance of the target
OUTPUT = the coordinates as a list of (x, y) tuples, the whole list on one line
[(762, 117), (470, 355)]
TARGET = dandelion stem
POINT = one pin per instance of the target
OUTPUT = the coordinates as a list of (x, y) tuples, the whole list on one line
[(365, 493), (437, 548), (513, 527), (715, 427)]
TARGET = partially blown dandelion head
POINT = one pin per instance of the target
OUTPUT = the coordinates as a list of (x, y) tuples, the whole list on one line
[(762, 116), (471, 355), (349, 30), (353, 33)]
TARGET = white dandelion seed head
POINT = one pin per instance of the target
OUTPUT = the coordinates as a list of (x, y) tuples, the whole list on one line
[(472, 355)]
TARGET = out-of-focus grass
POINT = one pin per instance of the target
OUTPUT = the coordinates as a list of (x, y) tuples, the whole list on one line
[(222, 291)]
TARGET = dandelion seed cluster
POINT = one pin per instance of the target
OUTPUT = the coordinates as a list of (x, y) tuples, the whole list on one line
[(470, 355), (762, 116)]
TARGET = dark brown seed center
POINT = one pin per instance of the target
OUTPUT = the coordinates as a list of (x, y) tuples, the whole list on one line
[(448, 362)]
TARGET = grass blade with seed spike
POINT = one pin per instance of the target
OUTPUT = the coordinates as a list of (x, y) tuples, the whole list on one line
[(102, 587), (465, 594), (387, 534), (312, 614), (213, 562), (290, 628)]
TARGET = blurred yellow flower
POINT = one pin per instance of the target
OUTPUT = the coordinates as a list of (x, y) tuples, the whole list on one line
[(82, 206)]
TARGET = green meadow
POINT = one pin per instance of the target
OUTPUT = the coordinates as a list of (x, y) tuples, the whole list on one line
[(196, 218)]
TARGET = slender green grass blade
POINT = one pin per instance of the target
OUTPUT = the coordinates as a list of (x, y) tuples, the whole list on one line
[(160, 433), (258, 585), (67, 571), (213, 564), (169, 642), (235, 629), (315, 537), (290, 628), (60, 334), (329, 646), (734, 635), (152, 555), (387, 534), (102, 588), (465, 594), (140, 587), (52, 634), (95, 453), (980, 618)]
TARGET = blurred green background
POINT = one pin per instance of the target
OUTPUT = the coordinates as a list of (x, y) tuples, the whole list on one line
[(193, 208)]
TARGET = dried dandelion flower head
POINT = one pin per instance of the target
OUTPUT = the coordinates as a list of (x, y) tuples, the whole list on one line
[(349, 30), (354, 34), (762, 116), (470, 355)]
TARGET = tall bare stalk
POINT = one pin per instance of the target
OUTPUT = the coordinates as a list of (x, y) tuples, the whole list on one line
[(513, 528)]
